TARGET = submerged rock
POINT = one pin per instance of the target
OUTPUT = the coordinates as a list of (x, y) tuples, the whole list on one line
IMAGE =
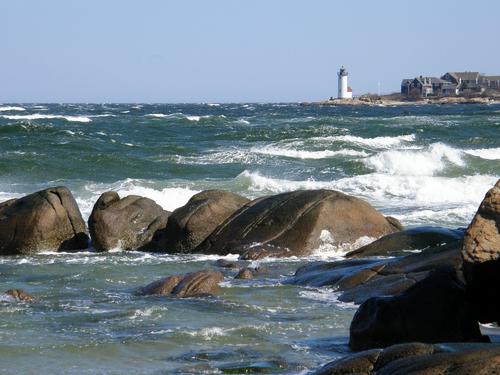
[(419, 359), (296, 223), (434, 310), (189, 225), (481, 255), (250, 272), (45, 220), (420, 238), (128, 223), (195, 284), (360, 279), (18, 295)]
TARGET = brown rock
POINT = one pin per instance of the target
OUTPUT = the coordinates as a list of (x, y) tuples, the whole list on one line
[(19, 295), (360, 279), (434, 310), (189, 225), (482, 238), (420, 238), (129, 223), (292, 223), (195, 284), (162, 287), (245, 274), (481, 255), (46, 220), (419, 359)]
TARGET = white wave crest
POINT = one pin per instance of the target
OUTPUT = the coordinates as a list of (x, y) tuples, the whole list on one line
[(38, 116), (423, 162), (377, 142), (456, 198), (8, 109), (182, 116), (485, 153), (301, 154), (169, 198)]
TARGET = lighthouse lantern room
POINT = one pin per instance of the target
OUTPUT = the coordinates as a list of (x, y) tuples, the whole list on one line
[(345, 92)]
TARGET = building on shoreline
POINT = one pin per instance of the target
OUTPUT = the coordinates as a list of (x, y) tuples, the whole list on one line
[(450, 84), (344, 91)]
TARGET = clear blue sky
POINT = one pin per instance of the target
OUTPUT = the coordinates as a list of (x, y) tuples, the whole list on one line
[(234, 50)]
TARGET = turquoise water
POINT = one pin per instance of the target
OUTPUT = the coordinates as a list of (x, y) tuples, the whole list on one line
[(424, 165)]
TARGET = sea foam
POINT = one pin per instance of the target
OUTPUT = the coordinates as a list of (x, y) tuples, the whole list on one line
[(38, 116), (376, 142), (423, 162), (302, 154), (485, 153), (8, 109)]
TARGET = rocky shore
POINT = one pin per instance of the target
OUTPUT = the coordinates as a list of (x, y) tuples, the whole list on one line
[(418, 289), (387, 102)]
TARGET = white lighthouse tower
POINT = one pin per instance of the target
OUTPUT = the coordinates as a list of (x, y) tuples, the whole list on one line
[(345, 92)]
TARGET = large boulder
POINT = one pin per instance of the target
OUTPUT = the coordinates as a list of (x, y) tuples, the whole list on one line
[(433, 310), (420, 238), (296, 223), (481, 255), (419, 359), (195, 284), (128, 223), (189, 225), (45, 220), (359, 279)]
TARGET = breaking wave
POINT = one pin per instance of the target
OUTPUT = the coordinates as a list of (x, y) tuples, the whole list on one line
[(422, 162), (485, 153), (300, 154), (376, 142), (38, 116), (8, 109)]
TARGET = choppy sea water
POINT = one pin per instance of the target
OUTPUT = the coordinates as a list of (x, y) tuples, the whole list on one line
[(428, 165)]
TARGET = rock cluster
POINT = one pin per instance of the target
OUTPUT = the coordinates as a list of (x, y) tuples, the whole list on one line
[(457, 291), (292, 223), (212, 222), (418, 358)]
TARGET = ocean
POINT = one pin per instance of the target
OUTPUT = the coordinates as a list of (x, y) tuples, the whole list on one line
[(425, 165)]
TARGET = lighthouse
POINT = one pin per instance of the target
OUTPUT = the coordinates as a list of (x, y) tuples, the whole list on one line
[(345, 92)]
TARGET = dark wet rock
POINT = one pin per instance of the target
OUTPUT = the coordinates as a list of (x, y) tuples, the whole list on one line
[(359, 279), (189, 225), (293, 223), (419, 359), (223, 263), (19, 295), (45, 220), (195, 284), (245, 274), (396, 244), (129, 223), (434, 310), (481, 255), (261, 367), (251, 272), (360, 363)]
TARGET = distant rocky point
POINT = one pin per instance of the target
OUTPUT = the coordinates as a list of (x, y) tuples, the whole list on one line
[(392, 100)]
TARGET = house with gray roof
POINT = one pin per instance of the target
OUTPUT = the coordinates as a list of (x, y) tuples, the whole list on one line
[(491, 82), (458, 78)]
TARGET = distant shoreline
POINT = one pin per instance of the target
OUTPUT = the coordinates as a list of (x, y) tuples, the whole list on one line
[(383, 102)]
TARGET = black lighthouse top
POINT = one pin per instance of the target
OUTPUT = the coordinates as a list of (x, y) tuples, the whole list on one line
[(342, 71)]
